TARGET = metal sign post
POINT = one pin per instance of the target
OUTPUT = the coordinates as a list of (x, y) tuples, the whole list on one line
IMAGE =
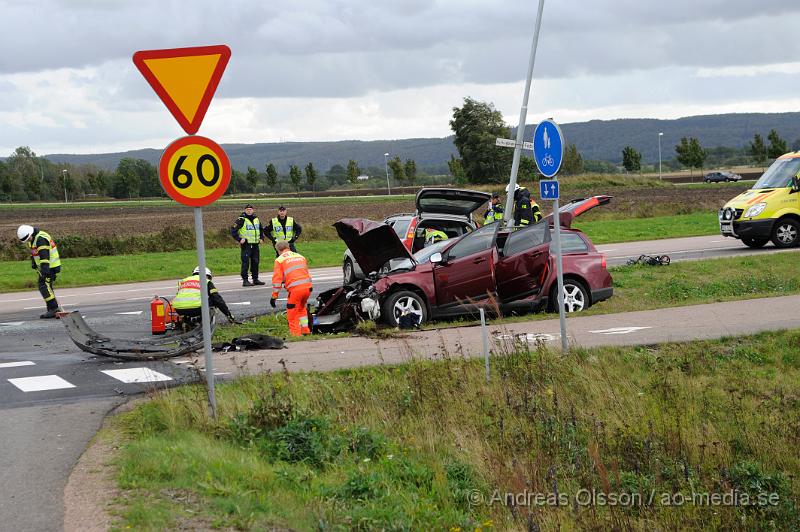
[(193, 170), (548, 152), (205, 311), (523, 112)]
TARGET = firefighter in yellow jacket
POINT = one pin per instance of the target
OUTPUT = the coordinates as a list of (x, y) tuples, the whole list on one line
[(45, 260), (188, 300), (291, 271)]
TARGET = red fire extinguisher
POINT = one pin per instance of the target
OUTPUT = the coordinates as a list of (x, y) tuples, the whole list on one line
[(162, 316)]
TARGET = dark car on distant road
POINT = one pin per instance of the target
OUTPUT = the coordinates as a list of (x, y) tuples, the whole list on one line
[(491, 268), (718, 177)]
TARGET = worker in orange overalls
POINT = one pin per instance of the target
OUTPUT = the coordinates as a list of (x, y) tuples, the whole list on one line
[(291, 271)]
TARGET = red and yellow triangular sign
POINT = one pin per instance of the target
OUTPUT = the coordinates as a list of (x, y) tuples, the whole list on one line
[(185, 79)]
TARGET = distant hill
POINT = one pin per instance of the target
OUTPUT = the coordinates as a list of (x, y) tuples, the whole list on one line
[(596, 139)]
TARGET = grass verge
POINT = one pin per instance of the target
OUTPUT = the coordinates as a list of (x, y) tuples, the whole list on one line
[(624, 438), (90, 271)]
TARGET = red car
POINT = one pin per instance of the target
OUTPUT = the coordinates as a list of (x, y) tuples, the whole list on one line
[(490, 267)]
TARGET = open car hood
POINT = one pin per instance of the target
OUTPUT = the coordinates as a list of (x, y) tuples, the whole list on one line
[(450, 201), (567, 213), (372, 244)]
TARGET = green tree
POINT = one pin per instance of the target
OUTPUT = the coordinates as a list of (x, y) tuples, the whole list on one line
[(777, 146), (796, 145), (311, 175), (272, 176), (337, 174), (758, 150), (397, 168), (295, 176), (411, 171), (126, 179), (476, 126), (527, 168), (573, 162), (457, 170), (353, 171), (23, 169), (690, 153), (252, 177), (631, 159)]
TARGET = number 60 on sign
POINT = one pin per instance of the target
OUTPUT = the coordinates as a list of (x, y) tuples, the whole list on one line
[(194, 171)]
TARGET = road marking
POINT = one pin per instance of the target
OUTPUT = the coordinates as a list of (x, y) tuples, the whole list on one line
[(134, 313), (528, 337), (620, 330), (240, 303), (132, 375), (13, 323), (41, 383), (17, 364), (606, 250)]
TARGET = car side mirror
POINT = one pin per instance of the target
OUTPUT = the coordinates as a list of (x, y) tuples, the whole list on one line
[(795, 184), (437, 258)]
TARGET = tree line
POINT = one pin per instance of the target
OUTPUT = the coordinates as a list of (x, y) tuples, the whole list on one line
[(24, 176)]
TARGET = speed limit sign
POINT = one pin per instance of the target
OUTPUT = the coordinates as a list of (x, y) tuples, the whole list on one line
[(194, 171)]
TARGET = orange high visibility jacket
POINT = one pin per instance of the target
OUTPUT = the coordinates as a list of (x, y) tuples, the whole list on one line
[(291, 270)]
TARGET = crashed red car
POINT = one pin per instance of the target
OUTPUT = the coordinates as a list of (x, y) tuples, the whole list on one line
[(492, 267)]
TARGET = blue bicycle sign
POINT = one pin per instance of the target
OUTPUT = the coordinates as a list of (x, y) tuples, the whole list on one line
[(548, 147)]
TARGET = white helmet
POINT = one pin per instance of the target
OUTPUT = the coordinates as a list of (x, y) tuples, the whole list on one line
[(516, 187), (24, 232), (197, 271)]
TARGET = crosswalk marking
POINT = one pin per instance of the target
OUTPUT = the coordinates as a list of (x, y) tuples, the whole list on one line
[(136, 375), (41, 383), (17, 364)]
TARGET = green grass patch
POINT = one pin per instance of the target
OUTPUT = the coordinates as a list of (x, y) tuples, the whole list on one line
[(655, 228), (91, 271), (431, 445)]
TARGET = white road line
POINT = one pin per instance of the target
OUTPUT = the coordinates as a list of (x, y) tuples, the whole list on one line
[(619, 330), (241, 303), (131, 375), (41, 383), (17, 364), (133, 313), (12, 323)]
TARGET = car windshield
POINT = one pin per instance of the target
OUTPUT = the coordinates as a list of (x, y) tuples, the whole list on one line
[(780, 174), (420, 257)]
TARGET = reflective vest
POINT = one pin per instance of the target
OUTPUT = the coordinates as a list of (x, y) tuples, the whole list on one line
[(250, 231), (291, 271), (188, 296), (435, 236), (55, 260), (278, 232), (494, 214)]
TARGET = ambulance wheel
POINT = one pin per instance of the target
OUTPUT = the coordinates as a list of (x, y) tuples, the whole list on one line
[(755, 243), (786, 233)]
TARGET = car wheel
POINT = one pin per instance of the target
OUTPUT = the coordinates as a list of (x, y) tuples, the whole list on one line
[(576, 298), (348, 272), (785, 233), (402, 302), (755, 243)]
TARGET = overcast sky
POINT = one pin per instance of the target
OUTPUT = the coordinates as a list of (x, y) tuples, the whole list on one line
[(315, 70)]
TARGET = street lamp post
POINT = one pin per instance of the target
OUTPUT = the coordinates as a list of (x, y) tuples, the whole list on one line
[(660, 134), (386, 165), (64, 174)]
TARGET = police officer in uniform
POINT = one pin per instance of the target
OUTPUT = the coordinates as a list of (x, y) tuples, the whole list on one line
[(187, 301), (45, 260), (283, 227), (495, 211), (247, 230)]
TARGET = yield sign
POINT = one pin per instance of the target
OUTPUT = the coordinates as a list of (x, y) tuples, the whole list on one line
[(185, 79)]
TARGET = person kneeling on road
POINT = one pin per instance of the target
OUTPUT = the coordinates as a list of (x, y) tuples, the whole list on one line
[(291, 271), (187, 301)]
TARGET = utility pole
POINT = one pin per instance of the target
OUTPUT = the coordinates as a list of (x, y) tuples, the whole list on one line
[(661, 134), (386, 165), (64, 179)]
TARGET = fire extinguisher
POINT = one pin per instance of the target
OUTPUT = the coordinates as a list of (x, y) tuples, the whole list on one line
[(160, 315)]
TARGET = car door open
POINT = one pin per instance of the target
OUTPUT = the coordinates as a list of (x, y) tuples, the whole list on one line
[(522, 266)]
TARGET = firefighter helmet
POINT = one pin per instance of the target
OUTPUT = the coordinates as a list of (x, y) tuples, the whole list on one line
[(196, 271), (24, 232)]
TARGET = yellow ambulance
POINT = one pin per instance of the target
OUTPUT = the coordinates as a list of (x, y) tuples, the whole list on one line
[(768, 211)]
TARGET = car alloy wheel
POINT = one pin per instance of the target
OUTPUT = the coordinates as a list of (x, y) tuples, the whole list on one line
[(347, 272), (404, 302), (575, 296), (785, 234), (404, 305)]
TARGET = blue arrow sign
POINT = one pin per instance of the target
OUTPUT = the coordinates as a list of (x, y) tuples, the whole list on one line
[(548, 189), (548, 147)]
